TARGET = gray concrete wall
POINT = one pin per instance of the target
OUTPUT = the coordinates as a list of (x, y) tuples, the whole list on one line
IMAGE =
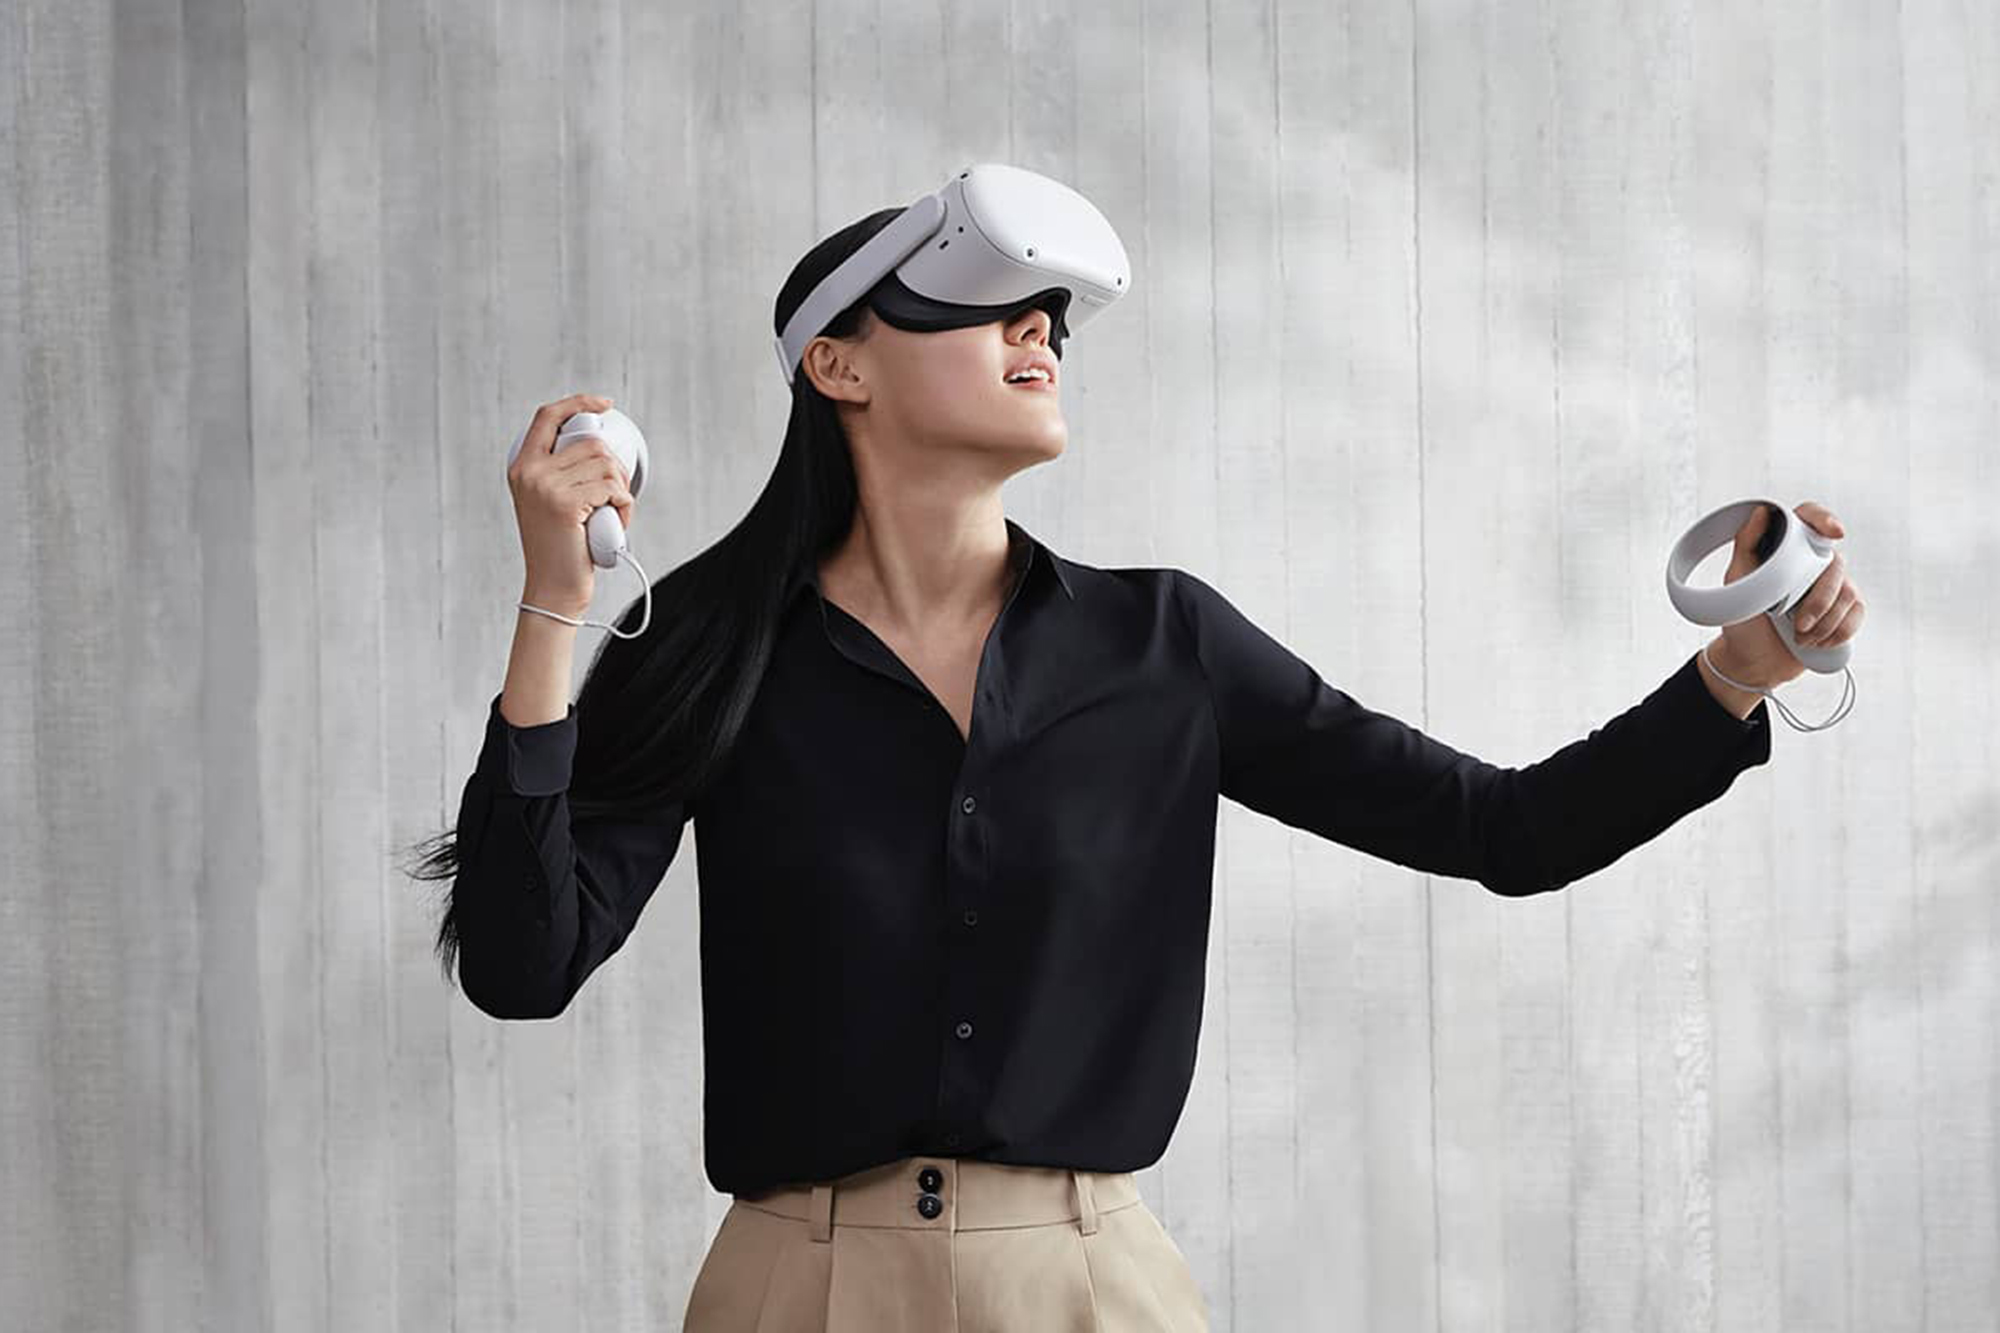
[(1446, 319)]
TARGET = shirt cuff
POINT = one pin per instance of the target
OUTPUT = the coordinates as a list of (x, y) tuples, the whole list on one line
[(1706, 714), (528, 761)]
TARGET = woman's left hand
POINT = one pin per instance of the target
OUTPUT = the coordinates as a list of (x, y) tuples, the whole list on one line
[(1830, 613)]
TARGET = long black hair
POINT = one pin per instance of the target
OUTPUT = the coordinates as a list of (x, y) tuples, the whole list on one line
[(657, 715)]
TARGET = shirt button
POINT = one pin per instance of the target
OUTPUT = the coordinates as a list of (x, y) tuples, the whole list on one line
[(971, 917), (968, 805), (964, 1030), (930, 1205), (929, 1179), (951, 1140)]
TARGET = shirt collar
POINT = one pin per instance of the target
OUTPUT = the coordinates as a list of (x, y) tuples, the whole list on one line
[(1025, 547)]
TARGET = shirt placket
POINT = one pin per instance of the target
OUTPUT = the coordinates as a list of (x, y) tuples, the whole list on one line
[(967, 861)]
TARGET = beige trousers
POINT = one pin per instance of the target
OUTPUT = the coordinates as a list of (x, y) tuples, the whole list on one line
[(946, 1245)]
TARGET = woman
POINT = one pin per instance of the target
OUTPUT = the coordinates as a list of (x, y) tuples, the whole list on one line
[(956, 799), (902, 1024)]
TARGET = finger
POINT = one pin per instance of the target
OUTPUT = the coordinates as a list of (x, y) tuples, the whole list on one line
[(1744, 555), (562, 409), (1850, 624), (550, 417), (1829, 580), (1753, 527), (1821, 519), (616, 493), (591, 493), (1808, 614), (593, 460), (581, 455), (1818, 622), (1840, 625), (1819, 599)]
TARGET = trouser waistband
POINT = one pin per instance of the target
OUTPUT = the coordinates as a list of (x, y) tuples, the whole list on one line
[(971, 1194)]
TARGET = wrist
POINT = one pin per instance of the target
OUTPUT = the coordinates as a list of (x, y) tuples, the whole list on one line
[(1714, 664), (562, 603)]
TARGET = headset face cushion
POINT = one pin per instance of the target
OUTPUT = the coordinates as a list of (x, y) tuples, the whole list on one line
[(897, 304)]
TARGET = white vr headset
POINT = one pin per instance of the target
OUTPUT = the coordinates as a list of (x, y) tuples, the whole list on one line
[(992, 242)]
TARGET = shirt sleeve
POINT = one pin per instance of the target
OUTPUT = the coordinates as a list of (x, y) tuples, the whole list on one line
[(542, 898), (1311, 756)]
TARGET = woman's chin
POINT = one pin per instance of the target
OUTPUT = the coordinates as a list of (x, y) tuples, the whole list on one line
[(1051, 442), (1029, 449), (1035, 436)]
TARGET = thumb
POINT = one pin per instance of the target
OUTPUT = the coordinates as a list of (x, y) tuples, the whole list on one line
[(1744, 556), (1753, 528)]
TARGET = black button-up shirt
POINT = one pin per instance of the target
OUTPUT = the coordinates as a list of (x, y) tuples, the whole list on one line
[(918, 942)]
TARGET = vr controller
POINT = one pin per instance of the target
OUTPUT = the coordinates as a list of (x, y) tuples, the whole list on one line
[(604, 532), (1793, 556)]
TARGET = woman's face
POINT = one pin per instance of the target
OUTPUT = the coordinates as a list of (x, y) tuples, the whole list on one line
[(946, 390)]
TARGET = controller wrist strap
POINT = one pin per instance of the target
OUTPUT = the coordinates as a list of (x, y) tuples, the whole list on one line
[(645, 619), (1791, 719)]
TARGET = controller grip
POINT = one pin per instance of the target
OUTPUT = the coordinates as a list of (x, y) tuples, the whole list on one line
[(605, 534), (1827, 660)]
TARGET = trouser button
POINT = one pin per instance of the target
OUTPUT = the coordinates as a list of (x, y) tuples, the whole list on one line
[(930, 1205), (929, 1179)]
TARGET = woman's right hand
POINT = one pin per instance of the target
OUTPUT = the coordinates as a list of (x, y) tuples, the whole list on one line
[(555, 495)]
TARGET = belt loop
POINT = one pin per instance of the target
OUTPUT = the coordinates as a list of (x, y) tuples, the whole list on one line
[(1086, 1202), (822, 1211)]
